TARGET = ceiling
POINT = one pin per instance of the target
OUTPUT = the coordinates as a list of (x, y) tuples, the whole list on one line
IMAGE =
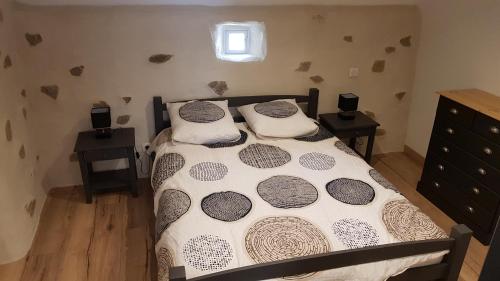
[(216, 2)]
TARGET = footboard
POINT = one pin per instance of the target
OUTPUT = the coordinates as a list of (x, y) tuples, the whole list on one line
[(448, 269)]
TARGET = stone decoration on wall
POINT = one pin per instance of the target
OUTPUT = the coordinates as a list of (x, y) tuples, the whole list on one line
[(25, 113), (348, 38), (218, 87), (73, 157), (23, 93), (390, 49), (406, 41), (317, 79), (22, 152), (77, 70), (122, 119), (304, 66), (100, 103), (126, 99), (378, 66), (400, 95), (380, 132), (8, 130), (160, 58), (30, 207), (1, 15), (7, 62), (33, 39), (370, 114), (319, 18), (50, 90)]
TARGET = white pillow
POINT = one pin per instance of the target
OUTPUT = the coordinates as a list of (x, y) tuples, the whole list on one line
[(278, 119), (202, 122)]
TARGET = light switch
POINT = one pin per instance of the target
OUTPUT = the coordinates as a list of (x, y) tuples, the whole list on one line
[(353, 72)]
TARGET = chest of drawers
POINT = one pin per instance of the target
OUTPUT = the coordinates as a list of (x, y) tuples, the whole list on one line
[(462, 168)]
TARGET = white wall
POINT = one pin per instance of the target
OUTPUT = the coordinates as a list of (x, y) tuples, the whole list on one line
[(459, 48), (21, 194)]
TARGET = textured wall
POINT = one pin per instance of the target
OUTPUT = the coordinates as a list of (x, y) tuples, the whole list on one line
[(90, 55), (459, 49), (21, 195)]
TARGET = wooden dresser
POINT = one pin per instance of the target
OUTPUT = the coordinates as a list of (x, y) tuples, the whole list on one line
[(462, 167)]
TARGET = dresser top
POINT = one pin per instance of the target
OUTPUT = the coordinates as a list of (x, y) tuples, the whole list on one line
[(486, 103)]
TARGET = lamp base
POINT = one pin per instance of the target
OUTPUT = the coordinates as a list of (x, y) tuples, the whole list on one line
[(347, 115)]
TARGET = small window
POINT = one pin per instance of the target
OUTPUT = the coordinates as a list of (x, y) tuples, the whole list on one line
[(239, 42), (236, 42)]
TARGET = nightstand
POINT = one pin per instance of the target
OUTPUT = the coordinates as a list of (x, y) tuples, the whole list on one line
[(90, 149), (360, 126)]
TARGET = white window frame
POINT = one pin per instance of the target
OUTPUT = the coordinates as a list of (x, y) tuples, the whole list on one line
[(256, 49), (225, 39)]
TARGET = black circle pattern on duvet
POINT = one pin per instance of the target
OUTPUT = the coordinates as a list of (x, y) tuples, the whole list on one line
[(376, 176), (317, 161), (276, 109), (406, 222), (208, 171), (201, 112), (226, 206), (208, 252), (166, 166), (279, 238), (322, 134), (242, 140), (354, 233), (172, 205), (264, 156), (342, 146), (349, 191), (165, 261), (287, 192)]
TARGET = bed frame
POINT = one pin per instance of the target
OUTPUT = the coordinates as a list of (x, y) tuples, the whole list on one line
[(448, 269)]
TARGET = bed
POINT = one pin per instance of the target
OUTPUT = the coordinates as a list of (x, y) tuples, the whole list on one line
[(307, 208)]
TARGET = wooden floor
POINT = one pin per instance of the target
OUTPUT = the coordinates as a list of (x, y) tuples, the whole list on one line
[(111, 239)]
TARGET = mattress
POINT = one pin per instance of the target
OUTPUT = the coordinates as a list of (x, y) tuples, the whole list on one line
[(224, 206)]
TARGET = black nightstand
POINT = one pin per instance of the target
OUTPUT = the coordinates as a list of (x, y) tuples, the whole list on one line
[(120, 145), (360, 126)]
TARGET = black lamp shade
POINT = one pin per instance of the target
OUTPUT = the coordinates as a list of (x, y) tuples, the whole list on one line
[(101, 117), (348, 102)]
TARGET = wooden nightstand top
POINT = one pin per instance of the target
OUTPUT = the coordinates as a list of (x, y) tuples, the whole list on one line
[(361, 121), (122, 137)]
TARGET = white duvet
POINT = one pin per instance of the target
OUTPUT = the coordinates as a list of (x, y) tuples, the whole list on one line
[(263, 200)]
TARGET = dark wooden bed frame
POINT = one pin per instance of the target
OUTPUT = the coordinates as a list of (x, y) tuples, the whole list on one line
[(448, 269)]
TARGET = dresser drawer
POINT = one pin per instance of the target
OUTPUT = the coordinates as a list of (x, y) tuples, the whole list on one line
[(451, 131), (455, 112), (468, 141), (478, 169), (466, 207), (106, 154), (467, 185), (487, 127)]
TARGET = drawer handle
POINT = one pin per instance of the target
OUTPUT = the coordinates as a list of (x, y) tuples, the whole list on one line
[(481, 171), (446, 149), (470, 209), (450, 131), (436, 184), (487, 150), (494, 130), (454, 111), (476, 190), (441, 167)]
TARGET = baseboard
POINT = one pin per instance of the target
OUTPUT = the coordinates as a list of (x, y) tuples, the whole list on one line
[(415, 156)]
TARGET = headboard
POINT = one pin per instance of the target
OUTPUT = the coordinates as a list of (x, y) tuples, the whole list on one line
[(311, 99)]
